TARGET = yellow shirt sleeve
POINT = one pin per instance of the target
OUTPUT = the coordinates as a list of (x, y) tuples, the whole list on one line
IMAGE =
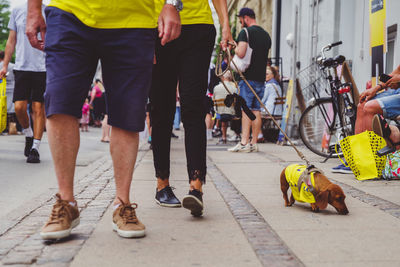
[(194, 11)]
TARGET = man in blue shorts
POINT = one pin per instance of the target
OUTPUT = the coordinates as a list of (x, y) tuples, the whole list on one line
[(77, 35), (258, 39)]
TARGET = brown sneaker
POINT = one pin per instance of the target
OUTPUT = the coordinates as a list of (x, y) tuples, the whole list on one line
[(125, 222), (63, 218)]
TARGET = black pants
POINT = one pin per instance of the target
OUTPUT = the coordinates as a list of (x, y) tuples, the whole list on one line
[(186, 60)]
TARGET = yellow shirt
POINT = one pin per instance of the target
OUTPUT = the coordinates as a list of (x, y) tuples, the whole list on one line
[(111, 14), (193, 12), (292, 174)]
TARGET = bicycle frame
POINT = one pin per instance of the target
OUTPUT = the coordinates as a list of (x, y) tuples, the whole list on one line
[(335, 84)]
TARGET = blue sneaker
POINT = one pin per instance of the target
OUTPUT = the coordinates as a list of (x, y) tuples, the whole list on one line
[(341, 169)]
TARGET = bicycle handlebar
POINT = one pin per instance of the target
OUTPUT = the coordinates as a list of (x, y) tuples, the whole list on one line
[(336, 44), (329, 47)]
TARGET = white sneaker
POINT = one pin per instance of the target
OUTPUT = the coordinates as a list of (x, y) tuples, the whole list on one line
[(240, 148), (253, 148)]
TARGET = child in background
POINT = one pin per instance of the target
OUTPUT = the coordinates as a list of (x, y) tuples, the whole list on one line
[(85, 116)]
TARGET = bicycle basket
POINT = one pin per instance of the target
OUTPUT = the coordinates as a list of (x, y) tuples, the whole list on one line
[(313, 82)]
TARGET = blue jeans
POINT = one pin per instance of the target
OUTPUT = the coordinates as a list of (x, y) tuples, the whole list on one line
[(248, 95)]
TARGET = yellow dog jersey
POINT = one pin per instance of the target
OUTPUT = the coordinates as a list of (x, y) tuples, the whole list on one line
[(292, 174)]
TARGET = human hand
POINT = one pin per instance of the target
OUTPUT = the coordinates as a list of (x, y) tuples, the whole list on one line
[(35, 24), (3, 72), (393, 82), (369, 93), (169, 24), (226, 39)]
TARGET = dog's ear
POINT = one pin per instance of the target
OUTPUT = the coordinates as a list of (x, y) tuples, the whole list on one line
[(321, 200)]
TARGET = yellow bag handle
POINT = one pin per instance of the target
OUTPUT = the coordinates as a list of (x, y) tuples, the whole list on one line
[(339, 156), (2, 87)]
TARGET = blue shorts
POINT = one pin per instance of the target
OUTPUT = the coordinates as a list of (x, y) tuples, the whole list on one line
[(248, 95), (389, 102), (72, 54)]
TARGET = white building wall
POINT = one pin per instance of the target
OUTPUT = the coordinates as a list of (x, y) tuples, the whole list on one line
[(345, 20)]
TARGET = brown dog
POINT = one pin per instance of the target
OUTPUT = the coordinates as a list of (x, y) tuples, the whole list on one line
[(325, 193)]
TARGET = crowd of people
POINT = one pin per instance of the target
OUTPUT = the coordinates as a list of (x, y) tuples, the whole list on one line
[(144, 73)]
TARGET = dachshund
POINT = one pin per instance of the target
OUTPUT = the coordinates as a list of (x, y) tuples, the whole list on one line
[(322, 192)]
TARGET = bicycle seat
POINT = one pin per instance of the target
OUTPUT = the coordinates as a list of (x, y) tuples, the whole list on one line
[(340, 59)]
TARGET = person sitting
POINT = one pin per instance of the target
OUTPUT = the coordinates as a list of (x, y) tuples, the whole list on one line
[(375, 101), (271, 92), (220, 93)]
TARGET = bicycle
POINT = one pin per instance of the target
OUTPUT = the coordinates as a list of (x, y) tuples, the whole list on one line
[(328, 119)]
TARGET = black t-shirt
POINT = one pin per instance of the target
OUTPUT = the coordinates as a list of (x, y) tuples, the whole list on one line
[(260, 42)]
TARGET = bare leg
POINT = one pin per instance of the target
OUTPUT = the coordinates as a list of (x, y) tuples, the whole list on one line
[(209, 122), (148, 122), (256, 127), (370, 109), (38, 122), (359, 127), (196, 184), (105, 129), (246, 125), (224, 126), (21, 108), (63, 135), (162, 183), (123, 147)]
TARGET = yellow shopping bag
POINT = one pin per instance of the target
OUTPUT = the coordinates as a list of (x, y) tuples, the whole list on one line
[(3, 105), (360, 153)]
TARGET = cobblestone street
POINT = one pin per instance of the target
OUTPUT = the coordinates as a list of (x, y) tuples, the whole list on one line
[(245, 221)]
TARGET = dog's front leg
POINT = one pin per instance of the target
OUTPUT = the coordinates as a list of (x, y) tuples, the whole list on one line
[(291, 200), (314, 207)]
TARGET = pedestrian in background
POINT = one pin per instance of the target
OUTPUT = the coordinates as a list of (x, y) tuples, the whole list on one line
[(260, 41), (11, 117), (226, 114), (85, 116), (30, 81), (97, 101)]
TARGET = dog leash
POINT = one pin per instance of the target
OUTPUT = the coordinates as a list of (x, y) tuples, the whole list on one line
[(219, 73)]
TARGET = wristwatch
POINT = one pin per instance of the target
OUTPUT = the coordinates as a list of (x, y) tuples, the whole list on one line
[(176, 3)]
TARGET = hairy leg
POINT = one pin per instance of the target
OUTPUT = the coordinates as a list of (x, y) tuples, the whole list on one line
[(21, 110), (38, 123), (63, 135), (123, 147)]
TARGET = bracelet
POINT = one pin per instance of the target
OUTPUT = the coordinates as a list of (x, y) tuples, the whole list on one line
[(381, 86)]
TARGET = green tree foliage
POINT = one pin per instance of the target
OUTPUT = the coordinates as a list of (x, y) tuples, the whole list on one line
[(4, 18)]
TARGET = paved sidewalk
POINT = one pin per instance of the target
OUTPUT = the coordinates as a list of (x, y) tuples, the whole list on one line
[(245, 222)]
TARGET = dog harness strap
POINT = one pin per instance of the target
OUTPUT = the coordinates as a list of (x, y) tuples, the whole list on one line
[(305, 178)]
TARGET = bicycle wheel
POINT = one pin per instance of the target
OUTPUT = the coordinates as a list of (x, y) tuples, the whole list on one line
[(320, 128)]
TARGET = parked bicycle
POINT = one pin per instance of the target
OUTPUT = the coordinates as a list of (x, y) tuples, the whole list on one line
[(329, 118)]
